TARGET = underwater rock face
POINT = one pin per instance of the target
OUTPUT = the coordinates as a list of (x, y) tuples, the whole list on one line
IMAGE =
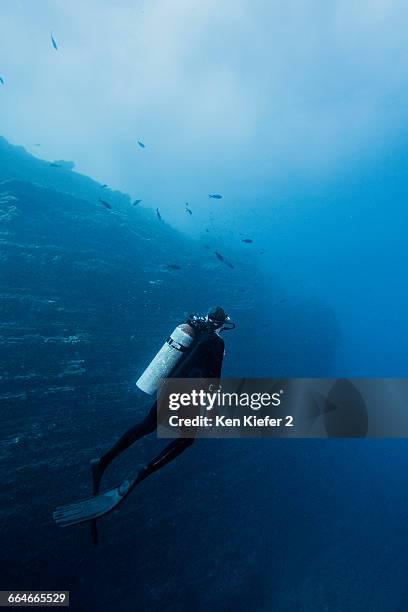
[(87, 296)]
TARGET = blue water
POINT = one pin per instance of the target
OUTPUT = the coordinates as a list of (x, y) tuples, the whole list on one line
[(343, 241), (232, 525)]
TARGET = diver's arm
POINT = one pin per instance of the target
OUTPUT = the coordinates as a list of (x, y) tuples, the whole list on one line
[(216, 359)]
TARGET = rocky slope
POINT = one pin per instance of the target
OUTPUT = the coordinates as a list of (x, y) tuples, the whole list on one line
[(86, 298)]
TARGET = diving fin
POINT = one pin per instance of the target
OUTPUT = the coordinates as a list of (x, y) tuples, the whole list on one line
[(96, 506)]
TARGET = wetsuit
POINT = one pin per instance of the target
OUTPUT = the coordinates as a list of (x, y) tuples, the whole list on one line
[(205, 362)]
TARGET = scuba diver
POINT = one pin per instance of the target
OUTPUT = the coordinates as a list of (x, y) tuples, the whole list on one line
[(194, 350)]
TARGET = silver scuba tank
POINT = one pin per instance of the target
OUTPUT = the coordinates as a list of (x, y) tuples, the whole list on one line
[(167, 358)]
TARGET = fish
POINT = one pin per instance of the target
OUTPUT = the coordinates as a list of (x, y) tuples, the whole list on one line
[(54, 165), (215, 196), (247, 240), (159, 215), (188, 210), (173, 267), (54, 44), (141, 144), (106, 204), (37, 144), (103, 186), (136, 202), (2, 80), (222, 258)]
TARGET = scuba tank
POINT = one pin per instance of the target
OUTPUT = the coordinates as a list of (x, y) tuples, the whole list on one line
[(178, 343), (171, 356)]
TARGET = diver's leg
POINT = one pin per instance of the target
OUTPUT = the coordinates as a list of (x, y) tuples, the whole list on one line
[(169, 453), (145, 427)]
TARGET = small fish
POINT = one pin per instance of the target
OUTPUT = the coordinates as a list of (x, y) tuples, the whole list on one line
[(54, 44), (37, 144), (159, 215), (1, 80), (188, 210), (136, 202), (141, 144), (207, 230), (103, 186), (173, 267), (215, 196), (262, 252), (54, 165), (247, 240), (222, 258), (106, 204)]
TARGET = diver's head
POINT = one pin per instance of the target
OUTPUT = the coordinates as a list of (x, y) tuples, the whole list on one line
[(216, 316), (215, 320)]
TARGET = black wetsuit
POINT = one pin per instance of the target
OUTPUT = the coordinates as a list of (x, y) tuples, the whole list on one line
[(205, 362)]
